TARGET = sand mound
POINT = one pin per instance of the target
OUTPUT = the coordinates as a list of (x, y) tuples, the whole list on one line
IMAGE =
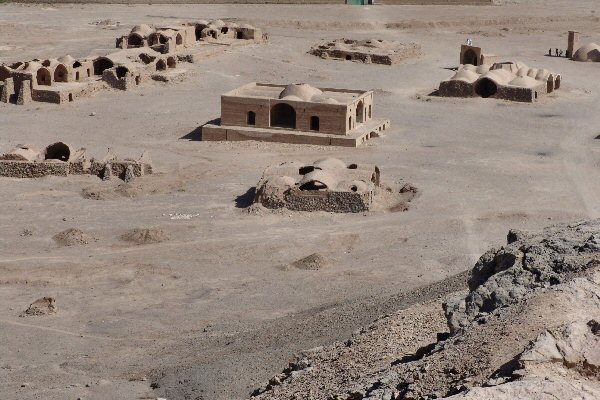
[(73, 237), (43, 306), (145, 236), (313, 262)]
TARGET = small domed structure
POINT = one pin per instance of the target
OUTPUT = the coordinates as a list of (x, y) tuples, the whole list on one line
[(588, 52), (302, 91)]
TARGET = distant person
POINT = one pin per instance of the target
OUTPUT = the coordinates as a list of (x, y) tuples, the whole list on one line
[(550, 51), (556, 52), (560, 53)]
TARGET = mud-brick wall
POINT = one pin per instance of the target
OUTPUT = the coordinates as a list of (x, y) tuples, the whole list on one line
[(23, 169), (332, 117), (456, 89), (234, 111), (525, 95)]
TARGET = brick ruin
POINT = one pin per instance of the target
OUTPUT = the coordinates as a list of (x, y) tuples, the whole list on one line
[(296, 113), (475, 56), (145, 53), (326, 185), (60, 159), (376, 51), (507, 81)]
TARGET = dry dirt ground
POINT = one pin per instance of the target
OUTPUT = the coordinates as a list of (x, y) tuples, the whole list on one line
[(209, 311)]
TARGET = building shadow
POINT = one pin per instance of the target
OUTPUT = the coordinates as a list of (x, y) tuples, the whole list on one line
[(451, 68), (245, 200), (435, 93), (196, 134)]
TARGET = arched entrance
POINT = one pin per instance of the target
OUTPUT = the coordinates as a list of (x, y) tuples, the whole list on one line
[(283, 116), (135, 40), (57, 151), (61, 74), (178, 39), (171, 63), (470, 57), (122, 71), (557, 82), (486, 88), (100, 64), (161, 65), (360, 112), (43, 77)]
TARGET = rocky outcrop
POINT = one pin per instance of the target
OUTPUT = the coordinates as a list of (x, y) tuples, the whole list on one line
[(527, 328)]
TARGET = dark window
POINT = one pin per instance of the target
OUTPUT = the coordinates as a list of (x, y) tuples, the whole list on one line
[(314, 123), (251, 118)]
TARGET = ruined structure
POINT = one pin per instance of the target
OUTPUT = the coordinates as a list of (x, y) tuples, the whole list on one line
[(145, 53), (59, 159), (375, 51), (587, 52), (507, 81), (475, 56), (296, 113), (326, 185)]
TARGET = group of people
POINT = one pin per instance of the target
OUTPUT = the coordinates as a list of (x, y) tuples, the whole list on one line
[(557, 52)]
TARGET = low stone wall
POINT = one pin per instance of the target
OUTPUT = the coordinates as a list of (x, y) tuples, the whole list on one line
[(298, 200), (20, 169)]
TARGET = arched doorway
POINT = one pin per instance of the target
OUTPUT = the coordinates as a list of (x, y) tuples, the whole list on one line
[(360, 112), (178, 39), (550, 84), (251, 118), (283, 116), (557, 82), (43, 77), (135, 40), (470, 57), (61, 74), (171, 63), (161, 65), (486, 88), (100, 64), (122, 71), (57, 151)]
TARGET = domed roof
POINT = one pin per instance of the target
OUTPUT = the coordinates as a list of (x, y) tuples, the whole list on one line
[(465, 75), (142, 30), (246, 26), (302, 91), (467, 67), (67, 60), (323, 99), (319, 178), (532, 72), (523, 72), (524, 81), (500, 76), (202, 22), (588, 52), (218, 22), (282, 181), (483, 68), (330, 163), (32, 66)]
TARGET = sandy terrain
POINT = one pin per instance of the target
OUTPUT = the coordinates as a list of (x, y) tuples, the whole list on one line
[(209, 312)]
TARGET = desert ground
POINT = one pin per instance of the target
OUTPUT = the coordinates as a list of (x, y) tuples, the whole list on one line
[(215, 311)]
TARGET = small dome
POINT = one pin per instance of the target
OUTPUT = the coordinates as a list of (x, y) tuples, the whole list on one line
[(302, 91), (465, 75), (467, 67), (292, 98), (142, 29), (500, 76), (317, 180), (483, 68), (523, 72), (32, 66), (218, 23), (282, 181), (330, 164), (532, 73), (246, 26), (68, 60), (324, 100), (588, 52), (543, 74)]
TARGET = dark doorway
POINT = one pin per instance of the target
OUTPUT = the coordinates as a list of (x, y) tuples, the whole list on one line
[(178, 39), (134, 40), (239, 35), (199, 29), (161, 65), (57, 151), (283, 116), (314, 123), (70, 96), (122, 72), (251, 118), (44, 77), (171, 63), (4, 73), (486, 88), (550, 84), (470, 57), (100, 64), (360, 112)]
